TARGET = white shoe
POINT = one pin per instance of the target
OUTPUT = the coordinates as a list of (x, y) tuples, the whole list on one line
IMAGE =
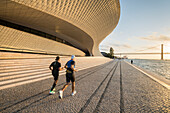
[(52, 92), (73, 93), (60, 94)]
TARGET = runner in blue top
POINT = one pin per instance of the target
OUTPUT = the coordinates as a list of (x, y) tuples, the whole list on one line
[(70, 66)]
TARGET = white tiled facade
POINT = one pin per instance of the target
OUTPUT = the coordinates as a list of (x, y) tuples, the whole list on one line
[(83, 23)]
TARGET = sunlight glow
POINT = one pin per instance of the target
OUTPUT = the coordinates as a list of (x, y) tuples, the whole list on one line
[(167, 48)]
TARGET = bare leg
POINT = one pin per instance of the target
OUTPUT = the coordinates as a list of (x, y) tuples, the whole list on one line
[(56, 81), (65, 86), (73, 86)]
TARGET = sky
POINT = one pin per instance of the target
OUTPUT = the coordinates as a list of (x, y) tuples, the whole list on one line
[(143, 26)]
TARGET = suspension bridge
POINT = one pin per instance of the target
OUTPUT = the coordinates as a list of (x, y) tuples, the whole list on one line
[(162, 53)]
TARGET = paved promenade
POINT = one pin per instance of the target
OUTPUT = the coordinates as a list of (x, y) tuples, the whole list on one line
[(114, 86)]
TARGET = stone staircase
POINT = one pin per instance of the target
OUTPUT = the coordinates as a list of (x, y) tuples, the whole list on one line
[(19, 71), (15, 72)]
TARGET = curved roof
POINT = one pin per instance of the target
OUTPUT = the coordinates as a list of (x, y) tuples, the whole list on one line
[(84, 23)]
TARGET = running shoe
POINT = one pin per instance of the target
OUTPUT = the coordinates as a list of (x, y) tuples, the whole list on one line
[(60, 94), (52, 92), (73, 93)]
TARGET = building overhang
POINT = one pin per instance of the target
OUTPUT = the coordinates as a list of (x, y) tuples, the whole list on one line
[(82, 26)]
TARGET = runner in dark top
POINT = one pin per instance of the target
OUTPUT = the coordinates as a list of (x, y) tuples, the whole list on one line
[(55, 67), (70, 66)]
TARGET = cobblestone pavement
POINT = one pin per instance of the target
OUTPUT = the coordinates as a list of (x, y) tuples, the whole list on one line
[(112, 87), (141, 93)]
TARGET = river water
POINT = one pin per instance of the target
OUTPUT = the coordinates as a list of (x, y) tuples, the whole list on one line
[(160, 67)]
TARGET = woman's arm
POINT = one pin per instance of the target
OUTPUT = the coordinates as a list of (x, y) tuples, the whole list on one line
[(51, 67), (60, 68)]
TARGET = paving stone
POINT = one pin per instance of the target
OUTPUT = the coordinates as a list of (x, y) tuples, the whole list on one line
[(98, 89)]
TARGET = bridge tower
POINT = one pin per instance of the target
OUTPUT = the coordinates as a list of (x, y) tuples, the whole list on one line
[(162, 52)]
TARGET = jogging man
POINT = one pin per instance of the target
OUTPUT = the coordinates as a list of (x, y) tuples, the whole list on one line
[(70, 66), (55, 67)]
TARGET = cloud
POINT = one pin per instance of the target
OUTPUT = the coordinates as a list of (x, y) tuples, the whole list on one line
[(106, 47), (156, 38), (149, 48), (122, 45), (166, 29)]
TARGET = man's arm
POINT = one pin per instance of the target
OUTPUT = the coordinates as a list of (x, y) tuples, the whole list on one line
[(65, 65), (72, 67)]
